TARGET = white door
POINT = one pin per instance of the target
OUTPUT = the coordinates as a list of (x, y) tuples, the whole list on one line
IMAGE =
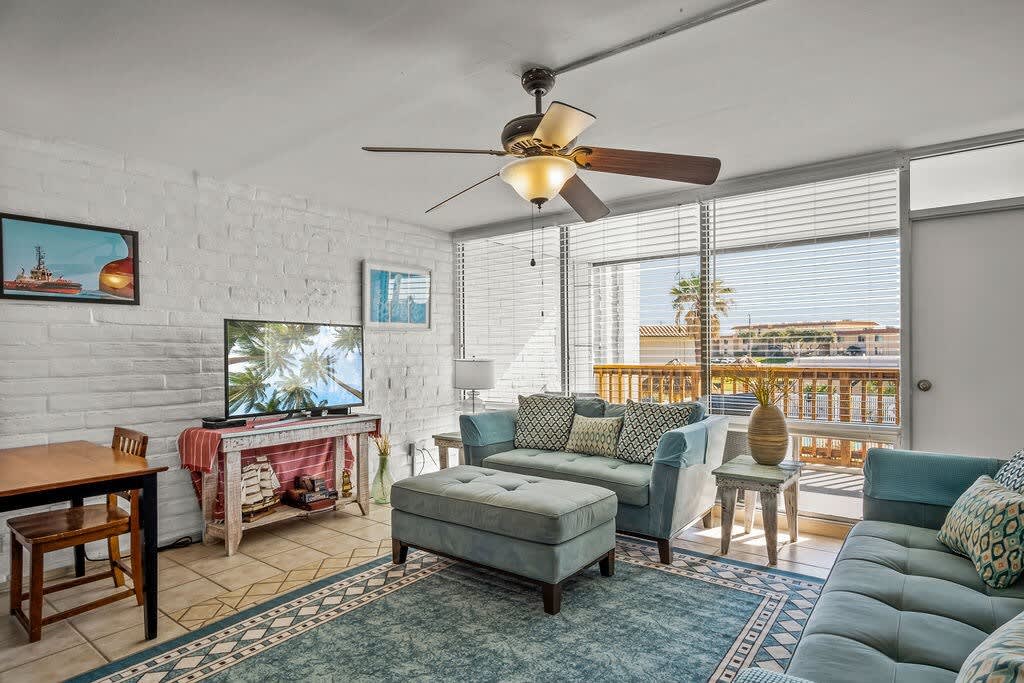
[(967, 333)]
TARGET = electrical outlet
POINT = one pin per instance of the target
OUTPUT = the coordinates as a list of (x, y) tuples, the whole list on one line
[(411, 448)]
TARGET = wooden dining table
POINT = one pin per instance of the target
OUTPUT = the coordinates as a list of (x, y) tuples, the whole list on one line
[(73, 471)]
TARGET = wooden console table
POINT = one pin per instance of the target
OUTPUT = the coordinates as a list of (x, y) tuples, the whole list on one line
[(233, 443)]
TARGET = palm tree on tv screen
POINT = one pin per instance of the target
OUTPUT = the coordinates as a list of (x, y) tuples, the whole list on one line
[(295, 393), (348, 339), (246, 389), (274, 404), (272, 346), (318, 366)]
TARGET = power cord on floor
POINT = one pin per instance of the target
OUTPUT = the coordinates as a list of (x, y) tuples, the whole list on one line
[(425, 453), (182, 542)]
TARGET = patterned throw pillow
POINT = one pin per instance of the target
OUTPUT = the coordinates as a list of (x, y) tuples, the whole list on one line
[(986, 524), (1011, 474), (999, 658), (544, 422), (594, 435), (643, 426)]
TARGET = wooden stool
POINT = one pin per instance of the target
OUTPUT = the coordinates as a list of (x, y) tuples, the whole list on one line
[(46, 532)]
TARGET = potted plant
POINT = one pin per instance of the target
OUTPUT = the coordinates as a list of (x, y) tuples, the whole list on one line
[(380, 492), (767, 435)]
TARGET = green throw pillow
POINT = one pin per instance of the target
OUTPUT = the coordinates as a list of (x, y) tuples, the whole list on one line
[(544, 421), (643, 426), (986, 524), (594, 435), (999, 658)]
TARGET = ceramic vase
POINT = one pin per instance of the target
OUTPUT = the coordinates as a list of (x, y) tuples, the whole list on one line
[(380, 491), (767, 435)]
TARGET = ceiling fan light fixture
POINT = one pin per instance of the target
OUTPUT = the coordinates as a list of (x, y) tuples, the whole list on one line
[(538, 179)]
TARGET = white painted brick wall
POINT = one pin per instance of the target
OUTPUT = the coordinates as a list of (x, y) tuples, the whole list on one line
[(208, 250)]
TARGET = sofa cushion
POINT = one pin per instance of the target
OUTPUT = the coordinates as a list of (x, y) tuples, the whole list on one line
[(987, 525), (544, 421), (899, 606), (1011, 474), (590, 406), (619, 409), (615, 410), (531, 508), (999, 658), (643, 426), (630, 481), (594, 435)]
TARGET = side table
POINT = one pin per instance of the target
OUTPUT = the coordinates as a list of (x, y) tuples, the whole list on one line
[(447, 441), (768, 481)]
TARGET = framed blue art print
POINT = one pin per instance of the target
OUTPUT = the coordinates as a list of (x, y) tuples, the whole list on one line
[(396, 297)]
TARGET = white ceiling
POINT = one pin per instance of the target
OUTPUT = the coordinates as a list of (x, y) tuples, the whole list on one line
[(283, 93)]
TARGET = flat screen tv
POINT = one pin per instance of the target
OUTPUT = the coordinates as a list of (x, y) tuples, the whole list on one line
[(275, 367)]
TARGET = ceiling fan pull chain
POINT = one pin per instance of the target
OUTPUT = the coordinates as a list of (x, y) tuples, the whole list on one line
[(533, 238), (679, 247), (542, 302)]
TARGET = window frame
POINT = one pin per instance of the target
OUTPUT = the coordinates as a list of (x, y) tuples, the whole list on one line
[(706, 252)]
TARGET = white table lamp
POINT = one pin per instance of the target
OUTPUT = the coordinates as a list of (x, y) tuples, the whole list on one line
[(474, 374)]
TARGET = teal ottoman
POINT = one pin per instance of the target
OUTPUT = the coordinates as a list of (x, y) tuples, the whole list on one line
[(543, 530)]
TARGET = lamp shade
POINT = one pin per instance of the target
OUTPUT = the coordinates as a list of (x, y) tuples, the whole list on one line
[(474, 373), (538, 179)]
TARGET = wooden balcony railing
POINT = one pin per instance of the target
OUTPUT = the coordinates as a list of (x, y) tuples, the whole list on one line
[(831, 394)]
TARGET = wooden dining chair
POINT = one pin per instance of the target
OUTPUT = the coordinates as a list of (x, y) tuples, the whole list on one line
[(53, 530)]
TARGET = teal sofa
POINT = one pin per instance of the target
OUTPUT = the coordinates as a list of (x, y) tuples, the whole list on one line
[(898, 605), (655, 501)]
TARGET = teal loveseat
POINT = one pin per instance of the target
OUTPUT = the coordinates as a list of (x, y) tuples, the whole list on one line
[(655, 501), (898, 605)]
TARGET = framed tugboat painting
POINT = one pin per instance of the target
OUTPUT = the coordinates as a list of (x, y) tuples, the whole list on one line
[(58, 261)]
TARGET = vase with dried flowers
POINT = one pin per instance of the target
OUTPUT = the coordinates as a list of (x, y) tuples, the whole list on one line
[(380, 491), (767, 434)]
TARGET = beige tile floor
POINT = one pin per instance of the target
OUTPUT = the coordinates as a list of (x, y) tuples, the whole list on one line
[(199, 584)]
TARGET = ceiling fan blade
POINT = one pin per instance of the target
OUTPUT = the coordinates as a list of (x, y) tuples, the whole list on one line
[(583, 200), (561, 125), (679, 167), (460, 192), (438, 150)]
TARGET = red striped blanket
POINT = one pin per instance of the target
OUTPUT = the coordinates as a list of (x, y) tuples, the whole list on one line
[(199, 448)]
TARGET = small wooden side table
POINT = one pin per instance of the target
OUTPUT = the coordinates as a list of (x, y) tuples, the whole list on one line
[(447, 441), (768, 481)]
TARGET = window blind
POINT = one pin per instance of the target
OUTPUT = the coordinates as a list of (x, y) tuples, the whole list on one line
[(804, 278), (841, 208), (620, 272), (809, 282), (510, 311)]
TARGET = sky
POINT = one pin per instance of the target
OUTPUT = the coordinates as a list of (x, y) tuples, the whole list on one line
[(835, 280)]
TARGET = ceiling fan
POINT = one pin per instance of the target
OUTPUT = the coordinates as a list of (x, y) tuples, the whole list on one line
[(546, 161)]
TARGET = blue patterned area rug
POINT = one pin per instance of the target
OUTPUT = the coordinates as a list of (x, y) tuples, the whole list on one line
[(701, 619)]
